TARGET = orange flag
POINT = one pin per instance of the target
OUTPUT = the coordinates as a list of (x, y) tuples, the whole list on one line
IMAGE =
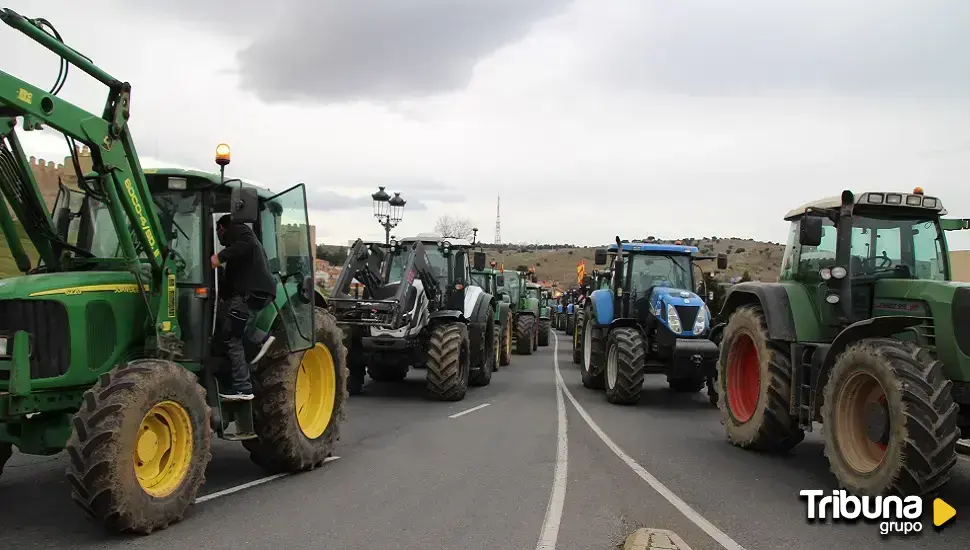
[(581, 271)]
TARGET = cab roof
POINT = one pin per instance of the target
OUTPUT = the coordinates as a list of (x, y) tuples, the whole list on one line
[(208, 176), (436, 238), (875, 198), (650, 248)]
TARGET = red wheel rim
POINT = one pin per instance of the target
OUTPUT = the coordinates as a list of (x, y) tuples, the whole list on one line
[(743, 378)]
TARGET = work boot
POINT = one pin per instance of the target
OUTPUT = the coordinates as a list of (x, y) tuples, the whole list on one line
[(236, 395)]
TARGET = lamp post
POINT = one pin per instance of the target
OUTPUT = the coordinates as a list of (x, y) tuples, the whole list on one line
[(388, 210), (474, 235)]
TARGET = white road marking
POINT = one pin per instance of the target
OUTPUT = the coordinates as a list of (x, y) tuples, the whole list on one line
[(678, 503), (471, 410), (253, 483), (550, 525)]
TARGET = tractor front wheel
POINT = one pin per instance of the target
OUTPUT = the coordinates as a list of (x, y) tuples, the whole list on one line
[(570, 324), (486, 352), (890, 420), (754, 379), (594, 355), (497, 344), (506, 355), (140, 446), (299, 402), (449, 362), (545, 325), (578, 337), (524, 334), (625, 360)]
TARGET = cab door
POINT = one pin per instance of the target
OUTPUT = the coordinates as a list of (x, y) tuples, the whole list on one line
[(284, 222)]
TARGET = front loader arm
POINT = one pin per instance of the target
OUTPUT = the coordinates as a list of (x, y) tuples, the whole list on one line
[(114, 158)]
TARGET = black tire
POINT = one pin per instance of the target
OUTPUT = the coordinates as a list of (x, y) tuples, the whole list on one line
[(102, 465), (486, 352), (449, 362), (6, 451), (524, 334), (506, 344), (625, 346), (594, 356), (922, 434), (499, 334), (545, 325), (282, 444), (686, 385), (757, 419), (355, 364), (570, 324), (578, 337), (535, 334)]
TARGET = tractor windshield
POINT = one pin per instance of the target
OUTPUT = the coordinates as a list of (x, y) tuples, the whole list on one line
[(512, 285), (650, 270), (901, 248)]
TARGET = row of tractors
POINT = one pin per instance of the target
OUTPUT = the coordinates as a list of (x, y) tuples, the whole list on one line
[(865, 332)]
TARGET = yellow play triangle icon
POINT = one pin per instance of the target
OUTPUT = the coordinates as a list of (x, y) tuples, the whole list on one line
[(942, 512)]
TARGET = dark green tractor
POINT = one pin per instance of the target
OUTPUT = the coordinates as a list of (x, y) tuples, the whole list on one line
[(525, 310), (488, 279), (866, 333), (544, 298)]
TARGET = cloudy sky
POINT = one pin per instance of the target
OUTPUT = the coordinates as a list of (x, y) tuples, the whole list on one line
[(687, 117)]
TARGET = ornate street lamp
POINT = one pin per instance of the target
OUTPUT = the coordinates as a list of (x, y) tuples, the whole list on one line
[(388, 210)]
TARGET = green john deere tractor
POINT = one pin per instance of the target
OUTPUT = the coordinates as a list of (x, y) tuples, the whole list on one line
[(544, 298), (488, 280), (106, 344), (866, 333), (525, 309)]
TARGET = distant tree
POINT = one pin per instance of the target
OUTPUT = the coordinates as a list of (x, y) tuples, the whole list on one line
[(456, 228), (335, 255)]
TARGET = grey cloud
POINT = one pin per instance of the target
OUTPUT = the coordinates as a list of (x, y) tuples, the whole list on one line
[(754, 47), (381, 50)]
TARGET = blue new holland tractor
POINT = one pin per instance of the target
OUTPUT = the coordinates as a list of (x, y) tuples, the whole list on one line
[(649, 320)]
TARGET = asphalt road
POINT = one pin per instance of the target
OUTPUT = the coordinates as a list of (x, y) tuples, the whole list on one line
[(525, 467)]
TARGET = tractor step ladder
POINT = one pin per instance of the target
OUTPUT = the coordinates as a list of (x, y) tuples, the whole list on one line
[(241, 415), (803, 356)]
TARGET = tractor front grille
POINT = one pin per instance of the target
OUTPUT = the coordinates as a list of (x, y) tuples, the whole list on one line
[(688, 314), (50, 335), (961, 319)]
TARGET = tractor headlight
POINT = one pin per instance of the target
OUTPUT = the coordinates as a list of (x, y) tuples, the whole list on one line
[(839, 272), (4, 346), (701, 323), (673, 320)]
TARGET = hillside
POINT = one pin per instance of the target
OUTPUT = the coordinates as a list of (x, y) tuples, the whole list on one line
[(759, 259)]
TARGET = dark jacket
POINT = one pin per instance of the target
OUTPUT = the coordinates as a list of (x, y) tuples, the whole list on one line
[(246, 266)]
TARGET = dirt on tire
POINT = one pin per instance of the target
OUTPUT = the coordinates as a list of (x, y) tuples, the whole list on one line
[(524, 334), (631, 351), (281, 445), (769, 428), (923, 432), (101, 465), (449, 362)]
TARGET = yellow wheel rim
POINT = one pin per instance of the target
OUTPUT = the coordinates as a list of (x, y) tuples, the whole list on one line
[(508, 335), (163, 449), (316, 391)]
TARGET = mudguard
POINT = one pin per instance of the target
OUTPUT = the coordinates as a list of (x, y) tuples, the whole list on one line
[(449, 314), (773, 300), (602, 306), (479, 305), (503, 313)]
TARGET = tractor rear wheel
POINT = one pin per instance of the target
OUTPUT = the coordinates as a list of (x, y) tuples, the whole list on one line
[(578, 337), (545, 325), (497, 340), (890, 420), (524, 334), (140, 446), (570, 324), (754, 379), (686, 385), (449, 362), (299, 402), (506, 356), (594, 355), (486, 353), (625, 360), (6, 451)]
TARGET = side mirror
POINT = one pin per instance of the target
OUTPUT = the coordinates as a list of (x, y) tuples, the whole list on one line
[(479, 261), (600, 258), (245, 204), (506, 298), (500, 280), (810, 231), (722, 261)]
